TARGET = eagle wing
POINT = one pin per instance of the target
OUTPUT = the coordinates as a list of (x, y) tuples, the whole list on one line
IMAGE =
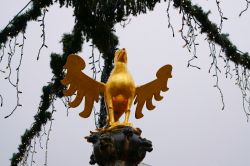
[(146, 92), (83, 85)]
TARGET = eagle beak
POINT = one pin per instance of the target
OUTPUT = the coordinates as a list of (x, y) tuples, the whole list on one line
[(123, 56)]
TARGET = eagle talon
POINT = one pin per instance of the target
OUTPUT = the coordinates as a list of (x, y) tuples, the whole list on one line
[(127, 124), (114, 124)]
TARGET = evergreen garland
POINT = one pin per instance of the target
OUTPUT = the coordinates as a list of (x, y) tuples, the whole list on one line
[(213, 34), (96, 25), (95, 21), (19, 23), (40, 119), (71, 43)]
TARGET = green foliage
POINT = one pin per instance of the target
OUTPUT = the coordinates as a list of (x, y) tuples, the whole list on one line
[(213, 33), (40, 119), (19, 23), (72, 43)]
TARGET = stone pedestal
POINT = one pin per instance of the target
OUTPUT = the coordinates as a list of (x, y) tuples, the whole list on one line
[(121, 146)]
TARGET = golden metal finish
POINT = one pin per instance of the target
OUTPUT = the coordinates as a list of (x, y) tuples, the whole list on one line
[(119, 91)]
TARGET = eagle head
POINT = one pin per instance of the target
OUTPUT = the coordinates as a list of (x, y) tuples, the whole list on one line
[(121, 56)]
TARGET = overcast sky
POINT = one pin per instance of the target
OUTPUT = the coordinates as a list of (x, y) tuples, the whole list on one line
[(187, 127)]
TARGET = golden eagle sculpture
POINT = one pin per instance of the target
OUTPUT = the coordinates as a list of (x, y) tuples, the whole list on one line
[(119, 92)]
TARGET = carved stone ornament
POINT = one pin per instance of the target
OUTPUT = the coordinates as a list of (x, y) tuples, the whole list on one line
[(122, 146)]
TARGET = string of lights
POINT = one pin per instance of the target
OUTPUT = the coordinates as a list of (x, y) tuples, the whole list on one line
[(43, 33), (247, 6)]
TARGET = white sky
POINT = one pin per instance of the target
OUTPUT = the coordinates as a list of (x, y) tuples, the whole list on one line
[(187, 127)]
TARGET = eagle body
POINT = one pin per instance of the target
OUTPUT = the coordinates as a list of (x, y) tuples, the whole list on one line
[(120, 82), (120, 89)]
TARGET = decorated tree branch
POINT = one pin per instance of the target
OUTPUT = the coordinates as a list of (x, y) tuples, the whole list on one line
[(213, 32)]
